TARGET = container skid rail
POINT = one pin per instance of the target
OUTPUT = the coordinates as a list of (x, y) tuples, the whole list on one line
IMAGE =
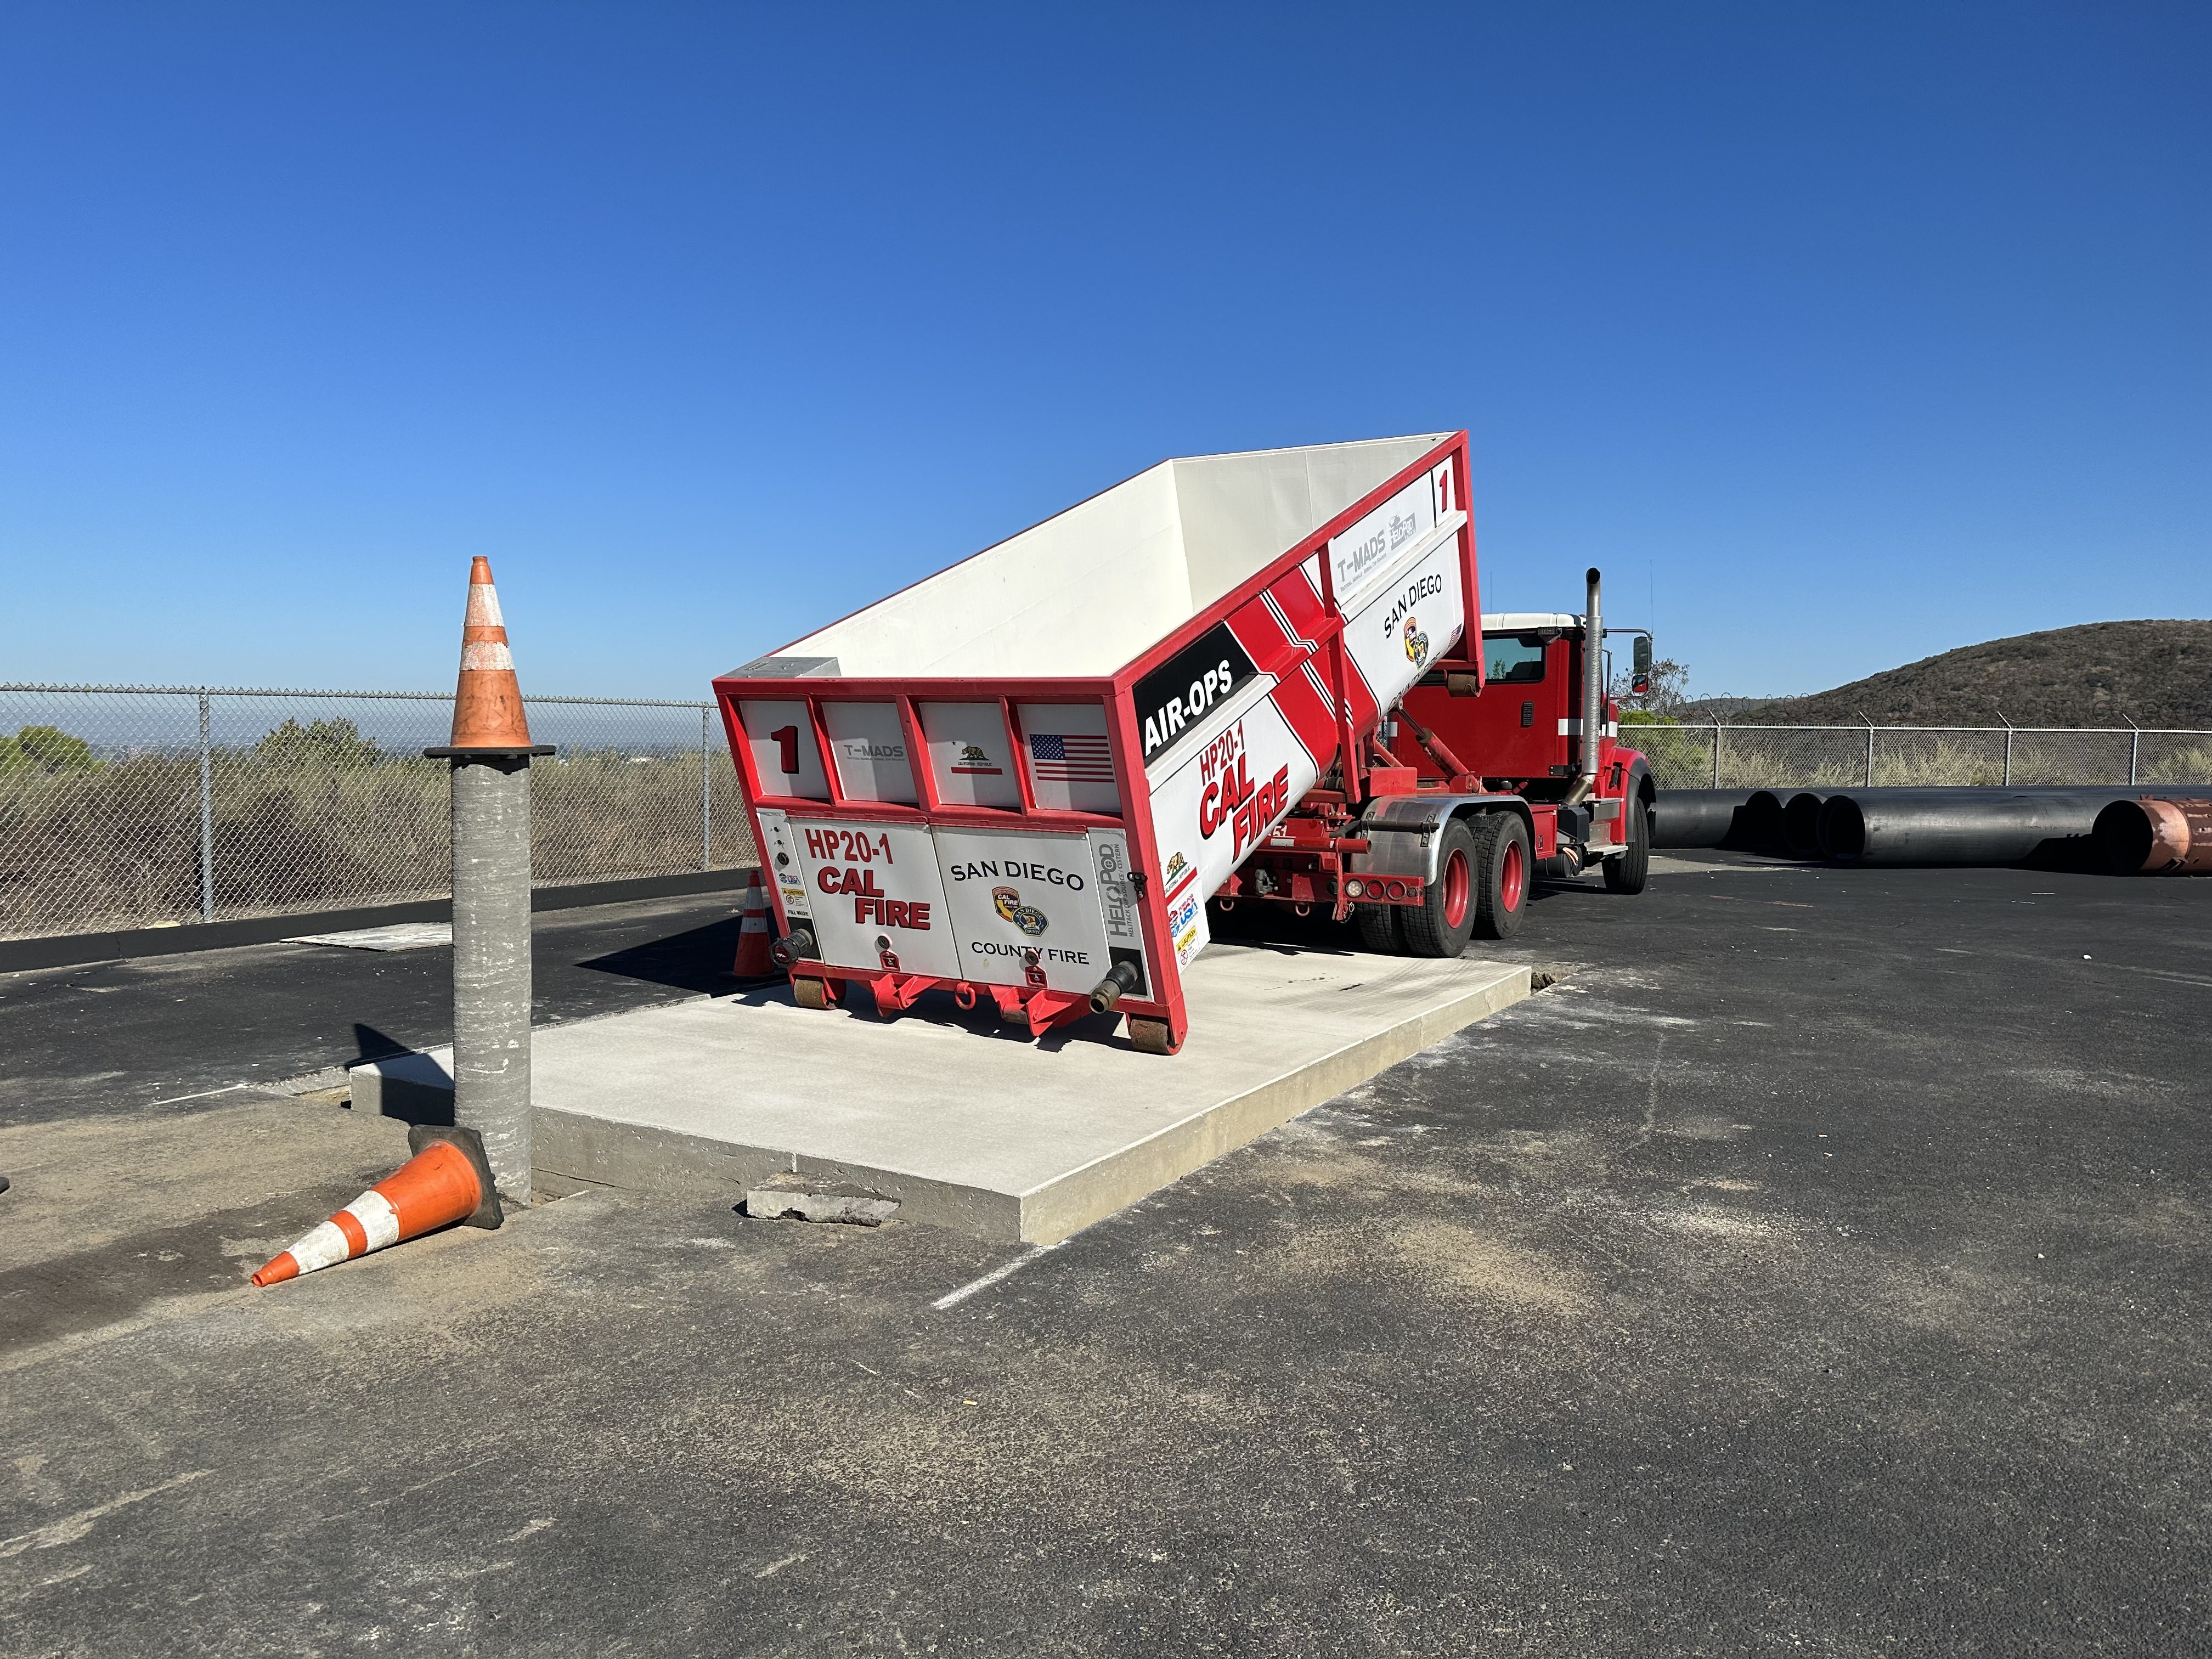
[(1023, 779)]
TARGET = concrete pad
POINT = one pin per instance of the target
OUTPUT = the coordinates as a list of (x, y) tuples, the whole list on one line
[(968, 1124)]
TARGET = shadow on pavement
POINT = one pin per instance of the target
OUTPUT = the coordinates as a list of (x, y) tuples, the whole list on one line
[(697, 959)]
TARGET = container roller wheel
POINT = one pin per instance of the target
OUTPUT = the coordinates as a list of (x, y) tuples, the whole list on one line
[(812, 992), (1149, 1036)]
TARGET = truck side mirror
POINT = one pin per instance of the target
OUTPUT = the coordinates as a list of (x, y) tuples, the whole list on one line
[(1641, 657)]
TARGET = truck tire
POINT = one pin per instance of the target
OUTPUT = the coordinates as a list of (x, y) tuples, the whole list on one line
[(1443, 922), (1503, 873), (1628, 873), (1379, 931)]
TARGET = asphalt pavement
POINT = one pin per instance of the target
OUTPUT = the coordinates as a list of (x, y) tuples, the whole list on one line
[(1819, 1266)]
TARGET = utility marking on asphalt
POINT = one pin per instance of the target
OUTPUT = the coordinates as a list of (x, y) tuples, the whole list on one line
[(229, 1088), (993, 1277), (873, 1372), (71, 1528)]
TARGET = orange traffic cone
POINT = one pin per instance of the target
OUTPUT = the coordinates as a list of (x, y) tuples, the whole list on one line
[(446, 1180), (754, 932), (487, 702)]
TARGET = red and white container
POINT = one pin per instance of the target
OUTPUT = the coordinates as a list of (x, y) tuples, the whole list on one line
[(1023, 777)]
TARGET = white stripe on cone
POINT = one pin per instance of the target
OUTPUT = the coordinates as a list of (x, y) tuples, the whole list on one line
[(486, 654), (324, 1246), (379, 1220), (483, 607)]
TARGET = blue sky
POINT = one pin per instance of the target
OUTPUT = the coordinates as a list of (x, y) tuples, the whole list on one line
[(1838, 335)]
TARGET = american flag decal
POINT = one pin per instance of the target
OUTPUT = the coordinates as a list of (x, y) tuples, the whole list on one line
[(1064, 757)]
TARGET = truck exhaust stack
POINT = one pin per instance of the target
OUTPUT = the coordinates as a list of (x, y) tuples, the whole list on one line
[(1592, 686)]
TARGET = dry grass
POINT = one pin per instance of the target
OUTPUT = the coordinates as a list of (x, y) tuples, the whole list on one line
[(117, 845)]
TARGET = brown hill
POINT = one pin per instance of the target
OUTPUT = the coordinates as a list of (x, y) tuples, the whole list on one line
[(2154, 673)]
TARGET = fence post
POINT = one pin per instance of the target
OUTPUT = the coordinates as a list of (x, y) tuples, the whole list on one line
[(1869, 777), (207, 815), (1716, 753), (2008, 776), (706, 795), (2134, 748)]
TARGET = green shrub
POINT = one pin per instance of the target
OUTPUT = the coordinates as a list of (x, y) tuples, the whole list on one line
[(333, 743), (45, 749)]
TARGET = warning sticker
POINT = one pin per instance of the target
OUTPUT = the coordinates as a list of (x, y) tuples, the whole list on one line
[(780, 861)]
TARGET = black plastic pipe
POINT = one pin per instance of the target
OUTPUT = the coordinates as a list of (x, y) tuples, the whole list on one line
[(1801, 824), (1964, 825), (1698, 817), (1762, 829)]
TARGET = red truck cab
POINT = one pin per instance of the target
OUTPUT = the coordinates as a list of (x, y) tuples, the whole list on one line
[(1478, 779)]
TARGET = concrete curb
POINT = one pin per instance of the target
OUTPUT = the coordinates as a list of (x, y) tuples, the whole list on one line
[(65, 949)]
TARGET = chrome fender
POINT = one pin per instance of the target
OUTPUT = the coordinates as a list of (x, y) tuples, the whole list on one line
[(1403, 832)]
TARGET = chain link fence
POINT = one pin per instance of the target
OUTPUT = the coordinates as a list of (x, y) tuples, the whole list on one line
[(1837, 756), (130, 806), (134, 806)]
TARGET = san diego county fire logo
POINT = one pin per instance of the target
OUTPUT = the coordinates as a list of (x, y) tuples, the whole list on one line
[(1417, 642), (1007, 901)]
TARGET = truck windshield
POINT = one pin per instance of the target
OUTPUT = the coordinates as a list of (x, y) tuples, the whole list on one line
[(1512, 658)]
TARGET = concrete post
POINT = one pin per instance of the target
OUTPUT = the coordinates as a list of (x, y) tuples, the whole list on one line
[(491, 962)]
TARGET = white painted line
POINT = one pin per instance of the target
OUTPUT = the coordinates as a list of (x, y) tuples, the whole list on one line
[(395, 936), (227, 1088), (993, 1277)]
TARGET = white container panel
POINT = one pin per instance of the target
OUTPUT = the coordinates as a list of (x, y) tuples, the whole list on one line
[(786, 757), (971, 760), (1364, 555), (868, 743), (1402, 627), (1213, 810), (1017, 897), (872, 888), (1071, 761)]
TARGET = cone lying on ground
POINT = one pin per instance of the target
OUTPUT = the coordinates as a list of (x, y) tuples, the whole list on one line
[(447, 1180), (755, 931), (487, 702)]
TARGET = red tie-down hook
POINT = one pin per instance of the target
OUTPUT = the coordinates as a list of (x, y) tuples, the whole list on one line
[(1031, 970)]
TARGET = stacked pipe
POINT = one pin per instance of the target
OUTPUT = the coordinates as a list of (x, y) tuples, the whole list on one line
[(2125, 831)]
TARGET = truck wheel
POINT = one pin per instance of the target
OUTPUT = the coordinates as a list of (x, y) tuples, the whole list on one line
[(1503, 872), (1378, 929), (1149, 1036), (1442, 923), (1628, 873)]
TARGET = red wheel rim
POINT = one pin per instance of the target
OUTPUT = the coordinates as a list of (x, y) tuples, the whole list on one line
[(1459, 887), (1514, 880)]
